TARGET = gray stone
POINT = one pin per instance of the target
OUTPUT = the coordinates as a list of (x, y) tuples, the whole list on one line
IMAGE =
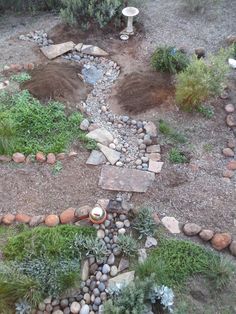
[(96, 158), (75, 308), (100, 234), (121, 279), (54, 51), (150, 242), (119, 224), (106, 269), (36, 220), (85, 270), (111, 259), (151, 129), (191, 229), (232, 248), (78, 47), (154, 149), (171, 224), (155, 166), (206, 235), (101, 287), (124, 264), (84, 125), (122, 231), (101, 135), (129, 180), (85, 309), (113, 271), (112, 155), (93, 51)]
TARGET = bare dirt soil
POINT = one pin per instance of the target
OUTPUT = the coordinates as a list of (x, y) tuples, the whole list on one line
[(140, 92), (58, 81), (35, 189)]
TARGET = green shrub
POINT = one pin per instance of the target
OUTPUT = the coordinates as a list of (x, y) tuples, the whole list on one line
[(174, 261), (43, 241), (169, 59), (128, 245), (33, 127), (172, 134), (207, 112), (144, 223), (87, 13), (200, 81), (177, 157)]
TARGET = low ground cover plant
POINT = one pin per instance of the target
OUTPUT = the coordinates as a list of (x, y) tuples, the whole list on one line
[(41, 261), (27, 126), (174, 261), (169, 59), (128, 245)]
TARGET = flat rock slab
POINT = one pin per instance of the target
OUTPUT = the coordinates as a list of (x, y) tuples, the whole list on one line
[(122, 279), (96, 158), (93, 51), (112, 155), (123, 179), (101, 135), (54, 51)]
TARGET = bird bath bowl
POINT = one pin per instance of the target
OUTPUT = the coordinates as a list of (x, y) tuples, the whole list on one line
[(130, 13)]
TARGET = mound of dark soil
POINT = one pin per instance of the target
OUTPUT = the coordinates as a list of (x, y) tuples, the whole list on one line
[(139, 92), (57, 81)]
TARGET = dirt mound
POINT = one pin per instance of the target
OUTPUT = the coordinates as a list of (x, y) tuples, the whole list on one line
[(58, 81), (139, 92)]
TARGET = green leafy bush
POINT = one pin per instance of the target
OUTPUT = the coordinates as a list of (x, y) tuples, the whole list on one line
[(200, 81), (48, 242), (28, 126), (127, 244), (174, 261), (87, 13), (169, 59), (144, 222)]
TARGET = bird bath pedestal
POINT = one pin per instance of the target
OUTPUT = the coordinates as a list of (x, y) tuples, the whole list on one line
[(130, 13)]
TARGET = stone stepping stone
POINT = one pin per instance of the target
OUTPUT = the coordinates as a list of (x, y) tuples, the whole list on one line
[(101, 135), (112, 155), (54, 51), (96, 158), (93, 51), (127, 180)]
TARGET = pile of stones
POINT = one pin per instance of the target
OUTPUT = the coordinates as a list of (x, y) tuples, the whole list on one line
[(39, 37)]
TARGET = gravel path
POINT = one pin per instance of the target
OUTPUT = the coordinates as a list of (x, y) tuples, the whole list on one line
[(168, 22)]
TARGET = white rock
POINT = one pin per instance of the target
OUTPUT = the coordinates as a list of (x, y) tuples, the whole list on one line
[(75, 308), (101, 135), (171, 224), (150, 242)]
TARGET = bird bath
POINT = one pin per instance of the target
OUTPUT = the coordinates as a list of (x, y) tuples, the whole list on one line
[(130, 13)]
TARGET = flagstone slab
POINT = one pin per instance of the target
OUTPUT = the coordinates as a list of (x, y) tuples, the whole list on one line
[(127, 180), (54, 51), (96, 158), (101, 135), (111, 155), (122, 279), (93, 51)]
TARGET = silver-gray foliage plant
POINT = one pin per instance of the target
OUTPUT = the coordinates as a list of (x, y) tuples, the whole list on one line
[(164, 295), (23, 307)]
